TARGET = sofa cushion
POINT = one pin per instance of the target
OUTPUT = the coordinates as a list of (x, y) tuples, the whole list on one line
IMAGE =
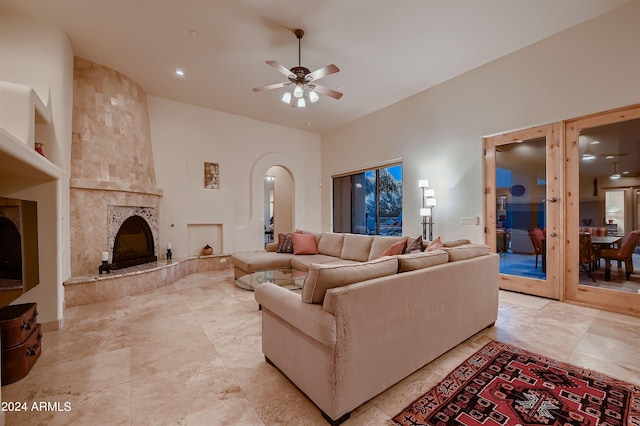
[(330, 244), (260, 260), (381, 243), (356, 247), (304, 243), (419, 260), (467, 251), (456, 243), (324, 277), (302, 262)]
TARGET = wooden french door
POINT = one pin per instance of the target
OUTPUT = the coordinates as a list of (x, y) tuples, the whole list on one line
[(523, 208), (598, 147)]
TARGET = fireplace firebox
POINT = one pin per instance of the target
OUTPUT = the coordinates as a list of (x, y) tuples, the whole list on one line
[(133, 244)]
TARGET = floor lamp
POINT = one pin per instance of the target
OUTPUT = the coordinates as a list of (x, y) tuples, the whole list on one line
[(426, 211)]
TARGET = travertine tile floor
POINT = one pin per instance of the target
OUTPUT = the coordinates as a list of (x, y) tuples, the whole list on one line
[(189, 353)]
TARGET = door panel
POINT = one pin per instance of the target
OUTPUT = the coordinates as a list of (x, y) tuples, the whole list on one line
[(522, 208), (601, 205)]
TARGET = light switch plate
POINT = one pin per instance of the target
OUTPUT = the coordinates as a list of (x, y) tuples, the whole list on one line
[(472, 220)]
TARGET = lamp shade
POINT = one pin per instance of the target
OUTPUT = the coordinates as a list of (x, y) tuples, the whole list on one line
[(425, 212), (430, 202), (423, 183), (429, 192)]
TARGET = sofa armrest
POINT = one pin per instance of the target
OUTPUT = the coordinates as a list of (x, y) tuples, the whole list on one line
[(271, 247), (310, 319)]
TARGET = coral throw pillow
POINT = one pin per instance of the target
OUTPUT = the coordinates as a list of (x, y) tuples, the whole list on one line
[(435, 245), (397, 248), (304, 244)]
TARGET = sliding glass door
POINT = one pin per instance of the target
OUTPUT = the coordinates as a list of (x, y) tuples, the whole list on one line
[(522, 208), (369, 202)]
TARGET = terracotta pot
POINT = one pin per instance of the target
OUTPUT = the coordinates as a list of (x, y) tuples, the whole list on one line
[(207, 251)]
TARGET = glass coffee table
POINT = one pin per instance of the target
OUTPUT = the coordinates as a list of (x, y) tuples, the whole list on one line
[(287, 278)]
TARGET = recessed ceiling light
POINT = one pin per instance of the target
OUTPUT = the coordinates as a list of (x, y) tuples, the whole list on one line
[(307, 124), (193, 33), (179, 72)]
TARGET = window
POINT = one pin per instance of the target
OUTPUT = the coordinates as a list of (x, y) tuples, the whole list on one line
[(369, 202)]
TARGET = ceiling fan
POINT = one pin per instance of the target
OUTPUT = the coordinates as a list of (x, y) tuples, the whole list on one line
[(302, 87)]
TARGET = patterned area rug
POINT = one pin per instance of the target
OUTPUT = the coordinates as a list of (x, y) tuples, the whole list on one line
[(505, 385)]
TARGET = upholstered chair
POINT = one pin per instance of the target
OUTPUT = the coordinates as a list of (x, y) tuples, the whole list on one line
[(622, 254)]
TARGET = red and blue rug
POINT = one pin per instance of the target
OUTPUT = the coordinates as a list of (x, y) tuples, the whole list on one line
[(505, 385)]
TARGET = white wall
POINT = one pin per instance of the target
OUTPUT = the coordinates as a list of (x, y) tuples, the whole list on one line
[(592, 67), (40, 56), (185, 136)]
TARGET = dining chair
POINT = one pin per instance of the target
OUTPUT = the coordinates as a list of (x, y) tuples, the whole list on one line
[(536, 236), (623, 253), (588, 257)]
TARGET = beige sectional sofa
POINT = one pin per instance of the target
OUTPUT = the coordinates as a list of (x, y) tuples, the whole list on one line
[(331, 247), (358, 327)]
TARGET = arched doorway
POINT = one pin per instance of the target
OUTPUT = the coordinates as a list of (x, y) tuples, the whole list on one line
[(278, 202)]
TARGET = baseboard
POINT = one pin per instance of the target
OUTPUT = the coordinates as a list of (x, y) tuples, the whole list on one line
[(52, 325)]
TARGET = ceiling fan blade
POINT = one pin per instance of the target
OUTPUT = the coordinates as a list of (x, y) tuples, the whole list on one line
[(270, 86), (322, 72), (326, 91), (280, 68)]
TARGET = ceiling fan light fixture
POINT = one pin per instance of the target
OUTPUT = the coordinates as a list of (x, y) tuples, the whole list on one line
[(615, 174), (588, 155), (300, 91)]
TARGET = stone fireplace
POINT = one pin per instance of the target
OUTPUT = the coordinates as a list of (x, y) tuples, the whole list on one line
[(113, 179)]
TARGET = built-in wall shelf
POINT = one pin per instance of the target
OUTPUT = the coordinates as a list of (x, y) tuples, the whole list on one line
[(20, 109), (20, 161)]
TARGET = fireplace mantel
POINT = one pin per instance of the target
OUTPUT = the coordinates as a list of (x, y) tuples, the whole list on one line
[(100, 185)]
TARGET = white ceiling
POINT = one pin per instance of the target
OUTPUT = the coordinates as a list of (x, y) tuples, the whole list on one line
[(386, 50)]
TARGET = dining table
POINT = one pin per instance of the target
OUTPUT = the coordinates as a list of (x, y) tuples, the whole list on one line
[(606, 241)]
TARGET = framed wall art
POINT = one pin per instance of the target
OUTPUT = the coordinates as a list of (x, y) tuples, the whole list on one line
[(211, 175)]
